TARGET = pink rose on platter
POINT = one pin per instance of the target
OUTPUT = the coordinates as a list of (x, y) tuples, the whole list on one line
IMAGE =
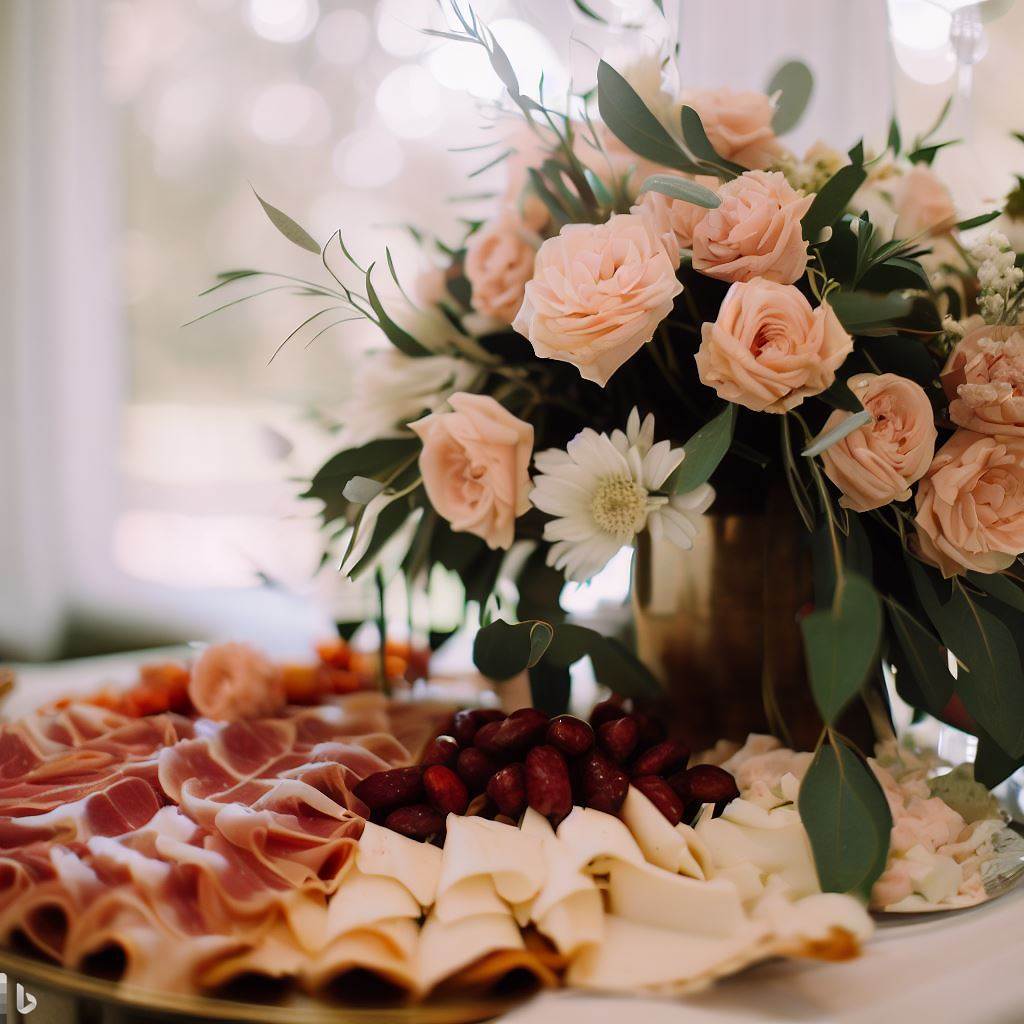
[(756, 232), (673, 220), (233, 681), (597, 295), (877, 463), (970, 506), (769, 350), (499, 262), (474, 464), (923, 204), (984, 380), (738, 124)]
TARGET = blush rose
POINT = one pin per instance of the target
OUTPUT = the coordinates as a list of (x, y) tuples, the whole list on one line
[(970, 505), (673, 220), (499, 262), (876, 463), (474, 465), (738, 124), (597, 295), (984, 381), (769, 350), (755, 232)]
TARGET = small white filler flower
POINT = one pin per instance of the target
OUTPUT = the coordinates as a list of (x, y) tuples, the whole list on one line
[(603, 491)]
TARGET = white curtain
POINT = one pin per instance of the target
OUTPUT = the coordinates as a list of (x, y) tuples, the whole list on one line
[(59, 358), (844, 42)]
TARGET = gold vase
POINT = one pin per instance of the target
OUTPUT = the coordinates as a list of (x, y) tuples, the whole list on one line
[(719, 625)]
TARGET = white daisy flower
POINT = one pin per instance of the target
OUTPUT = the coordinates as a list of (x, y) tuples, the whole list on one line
[(602, 491)]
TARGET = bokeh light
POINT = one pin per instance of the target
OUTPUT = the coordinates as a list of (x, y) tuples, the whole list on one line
[(290, 112), (409, 101), (367, 158), (343, 36), (283, 21)]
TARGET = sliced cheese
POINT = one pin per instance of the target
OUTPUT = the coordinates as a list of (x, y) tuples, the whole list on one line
[(649, 895), (388, 950), (469, 898), (637, 956), (574, 922), (512, 858), (675, 849), (416, 865), (363, 899), (595, 840), (446, 948)]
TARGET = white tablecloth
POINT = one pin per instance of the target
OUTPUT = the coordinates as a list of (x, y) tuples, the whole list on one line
[(960, 968)]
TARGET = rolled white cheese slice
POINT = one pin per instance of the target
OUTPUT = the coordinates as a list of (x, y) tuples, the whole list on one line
[(596, 840), (677, 849), (574, 922), (387, 949), (476, 846), (637, 956), (446, 948), (469, 898), (416, 865), (649, 895), (775, 842), (362, 900)]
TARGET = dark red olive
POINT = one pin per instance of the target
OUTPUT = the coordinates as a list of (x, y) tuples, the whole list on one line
[(548, 790), (618, 738), (605, 711), (604, 785), (441, 750), (666, 756), (475, 768), (572, 736), (704, 784), (520, 731), (662, 795), (391, 788), (417, 821), (507, 790), (465, 723), (445, 790)]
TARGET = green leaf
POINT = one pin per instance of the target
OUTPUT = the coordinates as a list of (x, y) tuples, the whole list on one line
[(866, 311), (992, 764), (846, 426), (926, 154), (699, 145), (841, 644), (398, 336), (1002, 588), (847, 819), (922, 658), (504, 649), (895, 142), (592, 14), (615, 666), (292, 231), (795, 83), (550, 688), (376, 459), (629, 120), (976, 222), (833, 199), (361, 489), (682, 188), (992, 687), (704, 451)]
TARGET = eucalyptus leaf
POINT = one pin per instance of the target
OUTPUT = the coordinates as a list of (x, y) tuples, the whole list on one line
[(862, 311), (589, 12), (1002, 588), (833, 199), (841, 644), (361, 489), (550, 688), (398, 336), (795, 83), (293, 232), (847, 819), (502, 649), (682, 188), (699, 145), (894, 142), (992, 686), (630, 121), (615, 666), (923, 658), (704, 451), (846, 426), (926, 154), (992, 765)]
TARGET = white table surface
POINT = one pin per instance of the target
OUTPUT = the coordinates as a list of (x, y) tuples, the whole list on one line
[(959, 968)]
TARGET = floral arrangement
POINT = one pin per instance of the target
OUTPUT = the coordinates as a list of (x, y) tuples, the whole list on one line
[(667, 305)]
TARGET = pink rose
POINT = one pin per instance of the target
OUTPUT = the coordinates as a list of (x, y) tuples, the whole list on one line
[(877, 463), (984, 380), (970, 506), (738, 124), (673, 220), (768, 350), (232, 681), (597, 295), (499, 262), (474, 464), (756, 232), (923, 203)]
